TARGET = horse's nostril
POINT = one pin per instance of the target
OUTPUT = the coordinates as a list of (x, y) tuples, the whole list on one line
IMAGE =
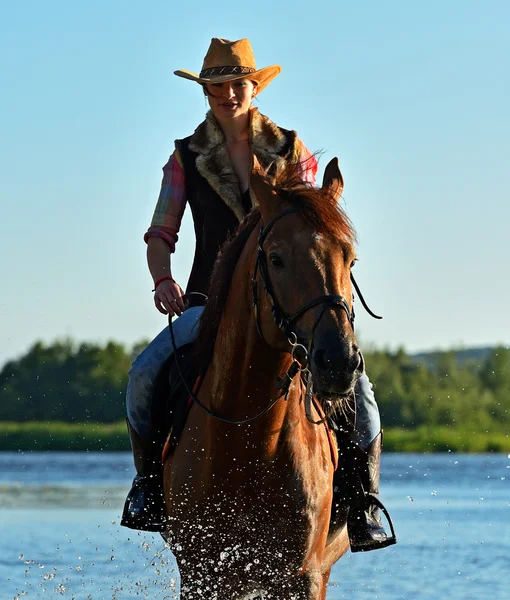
[(348, 361), (320, 359)]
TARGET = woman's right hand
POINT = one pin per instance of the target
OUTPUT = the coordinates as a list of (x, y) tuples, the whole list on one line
[(168, 298)]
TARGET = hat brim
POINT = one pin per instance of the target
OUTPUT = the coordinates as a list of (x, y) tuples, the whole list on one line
[(262, 77)]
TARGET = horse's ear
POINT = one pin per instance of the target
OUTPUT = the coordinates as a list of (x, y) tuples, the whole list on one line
[(263, 194), (256, 167), (260, 186), (333, 180)]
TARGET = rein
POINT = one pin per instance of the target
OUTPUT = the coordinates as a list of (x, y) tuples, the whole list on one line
[(299, 364), (194, 397), (285, 322)]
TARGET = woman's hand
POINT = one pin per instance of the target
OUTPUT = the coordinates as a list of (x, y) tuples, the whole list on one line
[(168, 298)]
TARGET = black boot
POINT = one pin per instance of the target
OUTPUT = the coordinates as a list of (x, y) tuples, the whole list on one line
[(144, 508), (364, 525), (356, 485)]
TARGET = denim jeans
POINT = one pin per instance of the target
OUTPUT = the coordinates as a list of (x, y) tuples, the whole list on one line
[(147, 364)]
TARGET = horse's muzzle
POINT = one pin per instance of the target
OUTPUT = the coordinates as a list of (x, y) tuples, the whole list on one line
[(336, 368)]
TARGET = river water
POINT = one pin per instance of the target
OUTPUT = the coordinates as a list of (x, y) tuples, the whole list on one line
[(60, 535)]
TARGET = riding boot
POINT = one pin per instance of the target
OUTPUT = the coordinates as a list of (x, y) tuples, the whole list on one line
[(358, 485), (144, 508)]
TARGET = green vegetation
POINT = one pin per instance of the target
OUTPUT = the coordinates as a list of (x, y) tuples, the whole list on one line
[(66, 396), (56, 435), (444, 439)]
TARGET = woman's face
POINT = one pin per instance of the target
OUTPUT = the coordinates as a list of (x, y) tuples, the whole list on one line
[(230, 99)]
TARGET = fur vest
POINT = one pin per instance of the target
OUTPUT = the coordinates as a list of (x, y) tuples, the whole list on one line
[(212, 185)]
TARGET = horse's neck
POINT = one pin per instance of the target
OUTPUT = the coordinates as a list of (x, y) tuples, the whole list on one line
[(243, 365), (241, 383)]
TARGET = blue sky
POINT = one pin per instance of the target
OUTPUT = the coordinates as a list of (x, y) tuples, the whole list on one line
[(412, 97)]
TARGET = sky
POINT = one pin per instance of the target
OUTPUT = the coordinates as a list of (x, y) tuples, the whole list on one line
[(413, 98)]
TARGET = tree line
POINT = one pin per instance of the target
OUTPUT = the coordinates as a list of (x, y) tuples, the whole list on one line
[(77, 383)]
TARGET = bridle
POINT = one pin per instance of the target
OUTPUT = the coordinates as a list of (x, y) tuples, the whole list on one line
[(285, 323), (299, 363)]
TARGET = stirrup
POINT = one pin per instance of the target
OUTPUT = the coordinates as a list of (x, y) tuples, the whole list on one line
[(144, 519), (376, 545)]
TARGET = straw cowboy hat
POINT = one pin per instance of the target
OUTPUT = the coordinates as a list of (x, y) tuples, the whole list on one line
[(227, 61)]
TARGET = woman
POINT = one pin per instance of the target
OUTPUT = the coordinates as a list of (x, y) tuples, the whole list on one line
[(210, 170)]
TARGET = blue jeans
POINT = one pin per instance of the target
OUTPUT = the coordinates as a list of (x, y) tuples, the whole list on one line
[(148, 363)]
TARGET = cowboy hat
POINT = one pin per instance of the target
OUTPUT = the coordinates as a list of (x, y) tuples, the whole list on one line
[(226, 61)]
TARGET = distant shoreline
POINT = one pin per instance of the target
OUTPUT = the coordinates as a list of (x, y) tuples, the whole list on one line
[(89, 437)]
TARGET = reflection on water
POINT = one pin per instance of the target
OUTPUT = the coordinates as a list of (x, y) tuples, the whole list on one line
[(55, 479), (85, 556), (20, 495), (59, 519), (66, 467)]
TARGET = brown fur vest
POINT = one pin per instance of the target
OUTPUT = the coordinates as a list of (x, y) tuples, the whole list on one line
[(212, 186)]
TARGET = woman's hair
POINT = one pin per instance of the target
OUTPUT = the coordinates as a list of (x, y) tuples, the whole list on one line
[(207, 93)]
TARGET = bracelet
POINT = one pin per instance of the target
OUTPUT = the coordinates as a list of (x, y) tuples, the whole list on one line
[(161, 281)]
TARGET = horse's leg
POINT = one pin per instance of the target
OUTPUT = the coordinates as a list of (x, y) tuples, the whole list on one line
[(192, 586), (197, 584), (325, 579), (191, 589), (337, 546), (307, 586)]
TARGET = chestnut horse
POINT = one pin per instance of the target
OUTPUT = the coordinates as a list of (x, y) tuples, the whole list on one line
[(248, 490)]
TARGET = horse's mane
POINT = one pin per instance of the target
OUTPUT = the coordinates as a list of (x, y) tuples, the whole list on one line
[(318, 209), (317, 206), (219, 287)]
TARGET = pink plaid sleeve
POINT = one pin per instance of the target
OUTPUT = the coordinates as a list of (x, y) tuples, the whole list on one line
[(307, 164), (167, 217)]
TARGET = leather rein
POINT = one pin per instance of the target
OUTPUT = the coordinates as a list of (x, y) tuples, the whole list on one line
[(299, 363)]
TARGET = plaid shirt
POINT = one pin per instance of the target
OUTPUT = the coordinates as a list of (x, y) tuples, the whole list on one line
[(167, 218)]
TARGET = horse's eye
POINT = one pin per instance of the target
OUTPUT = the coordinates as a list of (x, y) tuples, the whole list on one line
[(354, 262), (276, 261)]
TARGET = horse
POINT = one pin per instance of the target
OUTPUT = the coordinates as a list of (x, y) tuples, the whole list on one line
[(248, 489)]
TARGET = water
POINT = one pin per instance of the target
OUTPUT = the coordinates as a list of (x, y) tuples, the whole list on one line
[(60, 534)]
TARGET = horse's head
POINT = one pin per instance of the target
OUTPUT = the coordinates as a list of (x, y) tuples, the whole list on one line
[(305, 256)]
